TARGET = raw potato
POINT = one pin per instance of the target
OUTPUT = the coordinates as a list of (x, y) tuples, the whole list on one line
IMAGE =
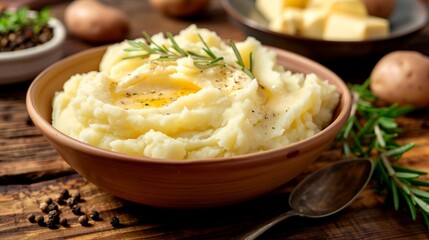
[(402, 77), (92, 21), (180, 8), (380, 8)]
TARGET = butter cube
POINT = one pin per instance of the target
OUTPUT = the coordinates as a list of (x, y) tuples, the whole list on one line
[(271, 9), (353, 7), (289, 21), (351, 28), (313, 23)]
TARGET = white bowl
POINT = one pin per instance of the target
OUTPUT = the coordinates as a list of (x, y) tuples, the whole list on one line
[(21, 65)]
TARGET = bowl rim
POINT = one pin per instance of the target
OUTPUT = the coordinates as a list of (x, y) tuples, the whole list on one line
[(236, 15), (250, 158), (58, 38)]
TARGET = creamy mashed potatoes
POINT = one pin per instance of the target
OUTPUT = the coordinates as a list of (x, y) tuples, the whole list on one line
[(175, 110)]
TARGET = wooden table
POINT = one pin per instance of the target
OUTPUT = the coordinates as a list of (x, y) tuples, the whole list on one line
[(30, 170)]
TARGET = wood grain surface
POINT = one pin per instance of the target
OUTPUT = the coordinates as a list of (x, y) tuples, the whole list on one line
[(30, 171)]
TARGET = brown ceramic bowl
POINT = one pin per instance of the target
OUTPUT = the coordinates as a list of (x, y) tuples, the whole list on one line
[(409, 17), (181, 184)]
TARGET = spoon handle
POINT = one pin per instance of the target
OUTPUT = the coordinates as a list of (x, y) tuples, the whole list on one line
[(257, 231)]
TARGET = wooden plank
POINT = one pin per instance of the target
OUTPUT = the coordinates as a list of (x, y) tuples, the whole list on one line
[(366, 218), (31, 170)]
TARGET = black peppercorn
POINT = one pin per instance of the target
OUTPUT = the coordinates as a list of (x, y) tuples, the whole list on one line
[(94, 215), (71, 201), (76, 196), (63, 222), (31, 218), (40, 220), (44, 207), (52, 206), (48, 200), (115, 222), (59, 199), (76, 209), (83, 220), (65, 194), (54, 215), (51, 223)]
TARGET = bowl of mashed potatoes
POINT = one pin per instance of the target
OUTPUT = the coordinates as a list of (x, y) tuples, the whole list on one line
[(188, 121)]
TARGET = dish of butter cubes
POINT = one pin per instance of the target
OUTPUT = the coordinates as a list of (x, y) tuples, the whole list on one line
[(330, 29), (343, 20)]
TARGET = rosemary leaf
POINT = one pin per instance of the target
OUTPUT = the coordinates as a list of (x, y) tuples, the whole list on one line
[(395, 195), (176, 46), (206, 47), (410, 205), (423, 205), (420, 192), (406, 175), (418, 182), (387, 123), (400, 150), (137, 56), (157, 48), (409, 170), (240, 60)]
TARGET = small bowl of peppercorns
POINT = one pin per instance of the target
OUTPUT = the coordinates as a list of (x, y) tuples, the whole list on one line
[(30, 41)]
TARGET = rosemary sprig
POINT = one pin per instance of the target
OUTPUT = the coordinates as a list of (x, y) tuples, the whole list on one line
[(240, 62), (370, 132), (202, 61)]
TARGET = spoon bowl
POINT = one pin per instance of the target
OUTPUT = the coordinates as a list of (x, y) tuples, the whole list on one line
[(324, 192)]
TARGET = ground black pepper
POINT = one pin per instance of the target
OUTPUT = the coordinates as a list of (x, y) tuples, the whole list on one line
[(115, 222)]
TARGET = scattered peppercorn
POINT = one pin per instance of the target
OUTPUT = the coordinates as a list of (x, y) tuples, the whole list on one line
[(40, 220), (65, 194), (51, 223), (48, 200), (60, 199), (83, 220), (94, 215), (54, 215), (44, 207), (63, 222), (71, 201), (31, 218), (76, 196), (76, 209), (115, 222), (52, 206)]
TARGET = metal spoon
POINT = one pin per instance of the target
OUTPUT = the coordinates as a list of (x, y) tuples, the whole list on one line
[(324, 192)]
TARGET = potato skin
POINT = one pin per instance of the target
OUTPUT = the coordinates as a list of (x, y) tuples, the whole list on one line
[(95, 22), (380, 8), (402, 77), (180, 8)]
